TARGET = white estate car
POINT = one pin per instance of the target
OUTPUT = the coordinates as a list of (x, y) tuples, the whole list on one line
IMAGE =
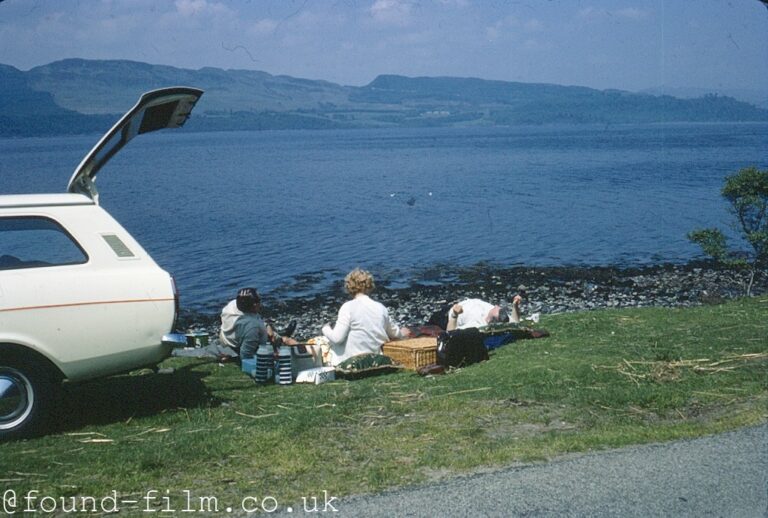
[(79, 297)]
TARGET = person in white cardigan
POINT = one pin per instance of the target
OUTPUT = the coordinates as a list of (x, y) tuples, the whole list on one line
[(363, 325)]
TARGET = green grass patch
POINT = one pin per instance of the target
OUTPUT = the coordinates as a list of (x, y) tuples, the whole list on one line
[(603, 379)]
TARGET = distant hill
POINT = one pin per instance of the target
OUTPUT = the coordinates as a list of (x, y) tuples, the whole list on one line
[(77, 95), (752, 96), (504, 102), (25, 111), (90, 86)]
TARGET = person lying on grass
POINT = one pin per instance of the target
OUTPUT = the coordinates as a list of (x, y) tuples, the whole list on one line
[(477, 313)]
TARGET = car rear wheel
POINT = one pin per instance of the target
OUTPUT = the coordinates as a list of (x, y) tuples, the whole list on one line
[(25, 396)]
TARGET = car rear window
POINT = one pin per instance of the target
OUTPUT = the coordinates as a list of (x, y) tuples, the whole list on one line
[(35, 242)]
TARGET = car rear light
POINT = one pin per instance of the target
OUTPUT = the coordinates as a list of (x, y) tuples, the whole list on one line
[(175, 303)]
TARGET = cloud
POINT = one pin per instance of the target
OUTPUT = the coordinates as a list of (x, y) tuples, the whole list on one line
[(501, 27), (189, 8), (391, 12), (264, 26), (511, 25)]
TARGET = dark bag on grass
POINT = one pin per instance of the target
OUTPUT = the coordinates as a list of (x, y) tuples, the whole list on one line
[(461, 347)]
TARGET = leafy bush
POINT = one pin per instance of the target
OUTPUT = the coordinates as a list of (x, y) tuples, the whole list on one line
[(747, 193)]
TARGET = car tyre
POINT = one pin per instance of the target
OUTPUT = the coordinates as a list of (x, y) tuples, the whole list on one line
[(26, 394)]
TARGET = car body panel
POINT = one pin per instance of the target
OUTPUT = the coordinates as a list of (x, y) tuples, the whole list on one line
[(26, 201), (102, 316)]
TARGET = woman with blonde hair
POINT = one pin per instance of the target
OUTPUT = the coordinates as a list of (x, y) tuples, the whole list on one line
[(363, 325)]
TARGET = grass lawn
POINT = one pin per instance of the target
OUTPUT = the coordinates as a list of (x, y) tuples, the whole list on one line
[(603, 379)]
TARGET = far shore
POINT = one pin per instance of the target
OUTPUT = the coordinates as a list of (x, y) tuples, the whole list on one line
[(549, 290)]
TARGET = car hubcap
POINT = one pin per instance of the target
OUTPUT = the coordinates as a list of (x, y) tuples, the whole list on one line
[(16, 398)]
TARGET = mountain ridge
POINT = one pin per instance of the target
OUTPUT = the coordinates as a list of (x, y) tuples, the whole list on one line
[(86, 92)]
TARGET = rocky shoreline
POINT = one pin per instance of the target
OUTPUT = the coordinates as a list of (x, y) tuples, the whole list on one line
[(548, 290)]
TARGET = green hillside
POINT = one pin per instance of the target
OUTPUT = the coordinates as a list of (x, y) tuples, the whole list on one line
[(90, 86), (25, 111), (78, 96), (504, 103)]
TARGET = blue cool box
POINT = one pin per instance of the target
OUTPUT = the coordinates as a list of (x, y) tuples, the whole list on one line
[(248, 366)]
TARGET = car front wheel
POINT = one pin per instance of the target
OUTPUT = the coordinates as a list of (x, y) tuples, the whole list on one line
[(25, 393)]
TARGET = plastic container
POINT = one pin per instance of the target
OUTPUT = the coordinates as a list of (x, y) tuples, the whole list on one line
[(265, 363), (283, 369), (306, 357), (196, 338), (316, 375), (249, 367)]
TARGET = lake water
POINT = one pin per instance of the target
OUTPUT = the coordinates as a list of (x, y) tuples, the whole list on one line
[(292, 211)]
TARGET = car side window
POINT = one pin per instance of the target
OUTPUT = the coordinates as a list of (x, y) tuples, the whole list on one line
[(34, 242)]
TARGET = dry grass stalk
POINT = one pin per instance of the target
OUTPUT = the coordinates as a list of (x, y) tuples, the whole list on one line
[(255, 416), (660, 370), (463, 391), (670, 370)]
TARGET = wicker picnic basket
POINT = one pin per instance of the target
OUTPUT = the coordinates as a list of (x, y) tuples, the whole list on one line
[(413, 353)]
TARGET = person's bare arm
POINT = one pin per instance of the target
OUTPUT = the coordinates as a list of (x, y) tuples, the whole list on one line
[(516, 308), (453, 316)]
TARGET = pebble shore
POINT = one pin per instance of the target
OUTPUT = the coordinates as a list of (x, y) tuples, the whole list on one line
[(548, 290)]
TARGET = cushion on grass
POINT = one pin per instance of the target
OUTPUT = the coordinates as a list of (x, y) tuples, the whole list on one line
[(366, 364), (515, 330)]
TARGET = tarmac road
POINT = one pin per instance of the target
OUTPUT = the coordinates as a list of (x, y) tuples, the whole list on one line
[(722, 475)]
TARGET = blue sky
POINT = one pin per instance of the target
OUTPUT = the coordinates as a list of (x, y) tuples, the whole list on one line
[(631, 45)]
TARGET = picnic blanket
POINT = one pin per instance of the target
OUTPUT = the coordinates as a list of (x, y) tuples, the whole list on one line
[(496, 335)]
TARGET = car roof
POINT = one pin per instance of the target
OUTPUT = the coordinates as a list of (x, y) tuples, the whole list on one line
[(19, 201)]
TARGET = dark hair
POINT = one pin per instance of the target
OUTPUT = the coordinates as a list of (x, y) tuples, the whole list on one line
[(503, 314), (246, 299)]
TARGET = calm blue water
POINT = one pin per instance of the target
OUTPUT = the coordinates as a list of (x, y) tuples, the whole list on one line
[(288, 211)]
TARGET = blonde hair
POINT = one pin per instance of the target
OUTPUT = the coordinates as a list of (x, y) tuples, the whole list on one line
[(359, 281)]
